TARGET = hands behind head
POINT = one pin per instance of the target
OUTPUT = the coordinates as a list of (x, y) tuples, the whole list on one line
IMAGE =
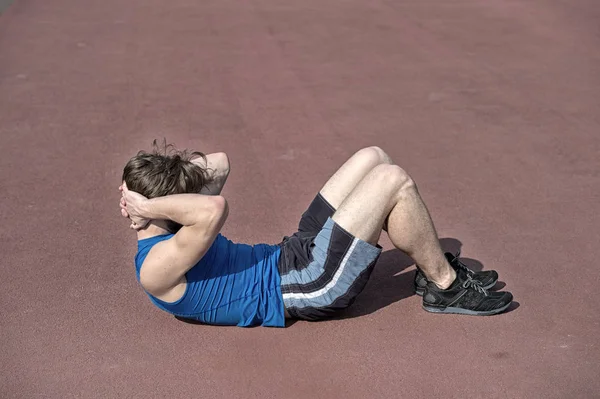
[(131, 207)]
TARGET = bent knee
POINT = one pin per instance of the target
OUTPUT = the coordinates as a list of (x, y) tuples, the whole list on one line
[(373, 155), (394, 176)]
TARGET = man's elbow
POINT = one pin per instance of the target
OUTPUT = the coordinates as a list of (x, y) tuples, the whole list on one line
[(222, 163), (219, 209)]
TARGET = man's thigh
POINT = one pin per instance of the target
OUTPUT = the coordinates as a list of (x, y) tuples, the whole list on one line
[(364, 211)]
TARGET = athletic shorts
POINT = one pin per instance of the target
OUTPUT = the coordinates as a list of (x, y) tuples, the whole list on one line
[(323, 267)]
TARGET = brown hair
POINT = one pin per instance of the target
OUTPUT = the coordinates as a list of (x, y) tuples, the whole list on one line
[(165, 171)]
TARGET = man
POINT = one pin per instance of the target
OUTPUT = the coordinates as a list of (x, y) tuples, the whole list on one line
[(190, 270)]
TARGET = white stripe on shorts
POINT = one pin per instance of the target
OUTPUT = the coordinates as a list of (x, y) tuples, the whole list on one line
[(322, 291)]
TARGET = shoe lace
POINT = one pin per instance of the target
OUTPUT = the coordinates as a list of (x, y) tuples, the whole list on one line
[(461, 265), (469, 283)]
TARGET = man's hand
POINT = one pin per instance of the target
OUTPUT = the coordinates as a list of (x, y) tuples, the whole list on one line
[(132, 205)]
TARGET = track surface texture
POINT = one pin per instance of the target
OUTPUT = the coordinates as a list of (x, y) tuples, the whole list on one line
[(491, 106)]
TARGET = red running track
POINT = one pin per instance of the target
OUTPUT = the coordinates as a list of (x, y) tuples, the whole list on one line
[(491, 106)]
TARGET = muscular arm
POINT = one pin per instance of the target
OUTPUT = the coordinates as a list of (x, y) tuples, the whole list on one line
[(189, 210), (218, 168), (201, 217)]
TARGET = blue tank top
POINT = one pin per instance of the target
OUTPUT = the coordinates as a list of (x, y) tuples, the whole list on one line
[(233, 284)]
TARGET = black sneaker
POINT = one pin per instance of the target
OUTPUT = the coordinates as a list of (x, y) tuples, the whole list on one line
[(465, 296), (487, 278)]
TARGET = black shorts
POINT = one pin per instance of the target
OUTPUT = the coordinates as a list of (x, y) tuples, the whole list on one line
[(323, 267)]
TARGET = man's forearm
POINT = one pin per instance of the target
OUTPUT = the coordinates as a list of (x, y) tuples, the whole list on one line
[(185, 209)]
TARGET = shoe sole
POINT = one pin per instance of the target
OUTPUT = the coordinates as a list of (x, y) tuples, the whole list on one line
[(420, 291), (451, 310)]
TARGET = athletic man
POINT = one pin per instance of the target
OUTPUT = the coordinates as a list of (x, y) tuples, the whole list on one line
[(187, 268)]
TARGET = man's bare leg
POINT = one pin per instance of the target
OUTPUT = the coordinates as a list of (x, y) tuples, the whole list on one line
[(369, 191), (388, 192), (422, 244)]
